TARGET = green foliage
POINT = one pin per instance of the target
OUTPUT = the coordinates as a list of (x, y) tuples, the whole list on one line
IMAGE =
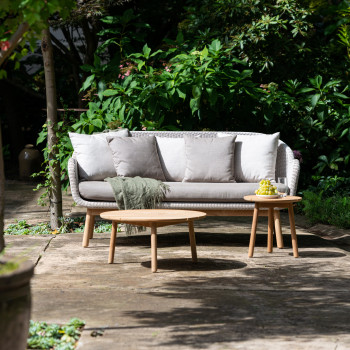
[(34, 12), (54, 336), (169, 86), (333, 210), (22, 228), (271, 36)]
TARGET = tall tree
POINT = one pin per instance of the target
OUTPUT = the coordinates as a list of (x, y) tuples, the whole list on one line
[(23, 20)]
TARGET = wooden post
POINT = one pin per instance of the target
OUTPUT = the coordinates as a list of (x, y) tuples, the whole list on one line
[(51, 104)]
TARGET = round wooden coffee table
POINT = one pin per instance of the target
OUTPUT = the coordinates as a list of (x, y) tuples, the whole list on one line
[(281, 202), (152, 218)]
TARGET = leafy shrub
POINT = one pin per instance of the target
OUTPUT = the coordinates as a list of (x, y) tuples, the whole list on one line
[(333, 210), (54, 336)]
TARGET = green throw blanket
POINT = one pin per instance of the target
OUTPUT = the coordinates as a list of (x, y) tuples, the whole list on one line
[(137, 193)]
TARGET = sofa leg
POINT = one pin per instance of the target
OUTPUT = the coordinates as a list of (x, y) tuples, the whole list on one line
[(278, 229), (89, 227)]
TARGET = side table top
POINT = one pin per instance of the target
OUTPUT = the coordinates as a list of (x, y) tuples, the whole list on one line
[(288, 199), (152, 215)]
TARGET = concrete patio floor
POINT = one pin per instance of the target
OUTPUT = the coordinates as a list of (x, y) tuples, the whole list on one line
[(225, 301)]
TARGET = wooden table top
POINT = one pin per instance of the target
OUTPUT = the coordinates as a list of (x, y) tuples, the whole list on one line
[(152, 215), (281, 200)]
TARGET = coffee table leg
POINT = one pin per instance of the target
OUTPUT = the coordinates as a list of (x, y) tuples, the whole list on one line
[(192, 241), (270, 231), (112, 242), (154, 247), (292, 230), (253, 232), (278, 230)]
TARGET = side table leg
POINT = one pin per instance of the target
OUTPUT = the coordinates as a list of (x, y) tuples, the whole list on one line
[(292, 230), (192, 241), (253, 232), (154, 247), (270, 231), (112, 242), (278, 230)]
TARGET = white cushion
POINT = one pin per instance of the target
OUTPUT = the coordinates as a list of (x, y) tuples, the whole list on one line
[(255, 157), (209, 159), (172, 157), (95, 160)]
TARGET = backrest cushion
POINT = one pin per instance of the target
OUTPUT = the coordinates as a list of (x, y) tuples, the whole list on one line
[(172, 157), (95, 161), (209, 159), (136, 157), (255, 157)]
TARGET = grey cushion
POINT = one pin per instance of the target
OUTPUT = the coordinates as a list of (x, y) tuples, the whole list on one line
[(93, 154), (172, 157), (209, 159), (136, 157), (179, 191)]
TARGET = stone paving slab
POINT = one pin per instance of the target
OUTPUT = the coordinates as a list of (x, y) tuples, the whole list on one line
[(225, 301)]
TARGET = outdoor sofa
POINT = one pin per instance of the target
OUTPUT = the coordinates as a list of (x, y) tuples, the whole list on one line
[(205, 170)]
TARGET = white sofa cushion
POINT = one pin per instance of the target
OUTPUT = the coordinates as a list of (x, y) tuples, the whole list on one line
[(172, 157), (95, 161), (209, 159), (136, 156), (255, 157)]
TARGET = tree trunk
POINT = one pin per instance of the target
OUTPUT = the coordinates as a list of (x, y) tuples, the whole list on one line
[(2, 196), (51, 103)]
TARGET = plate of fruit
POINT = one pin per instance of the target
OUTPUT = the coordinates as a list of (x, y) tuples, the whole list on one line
[(266, 190)]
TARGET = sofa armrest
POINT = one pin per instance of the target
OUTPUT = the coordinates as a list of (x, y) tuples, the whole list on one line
[(74, 180), (293, 170)]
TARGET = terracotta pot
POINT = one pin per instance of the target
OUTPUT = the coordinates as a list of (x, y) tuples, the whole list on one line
[(15, 306), (29, 160)]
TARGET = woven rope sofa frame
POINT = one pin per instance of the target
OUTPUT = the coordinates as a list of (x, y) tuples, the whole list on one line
[(286, 166)]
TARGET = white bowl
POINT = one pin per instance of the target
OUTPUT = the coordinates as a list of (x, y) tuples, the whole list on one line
[(268, 196)]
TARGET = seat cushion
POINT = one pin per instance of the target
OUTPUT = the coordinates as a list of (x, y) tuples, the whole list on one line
[(179, 191)]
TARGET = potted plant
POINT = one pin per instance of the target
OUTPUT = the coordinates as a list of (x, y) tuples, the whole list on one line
[(15, 302), (15, 297)]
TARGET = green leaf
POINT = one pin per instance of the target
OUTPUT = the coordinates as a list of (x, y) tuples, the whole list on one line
[(338, 94), (180, 93), (87, 83), (196, 91), (97, 123), (215, 45), (194, 104), (314, 99), (110, 92), (146, 51)]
